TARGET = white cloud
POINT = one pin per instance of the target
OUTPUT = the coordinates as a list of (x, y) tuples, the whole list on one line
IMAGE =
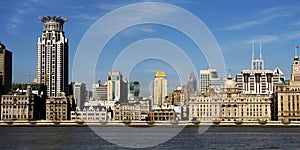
[(263, 17), (148, 30), (241, 25)]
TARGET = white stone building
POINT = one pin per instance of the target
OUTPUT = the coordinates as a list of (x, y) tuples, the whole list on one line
[(52, 58)]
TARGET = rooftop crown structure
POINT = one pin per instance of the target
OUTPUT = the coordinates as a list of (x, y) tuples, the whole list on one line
[(52, 61)]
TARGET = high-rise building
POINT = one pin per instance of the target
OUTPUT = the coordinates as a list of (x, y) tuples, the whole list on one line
[(134, 89), (257, 80), (192, 83), (79, 94), (5, 69), (117, 88), (52, 60), (209, 78), (159, 88), (99, 92)]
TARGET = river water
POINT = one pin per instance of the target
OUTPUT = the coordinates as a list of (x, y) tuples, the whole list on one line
[(188, 138)]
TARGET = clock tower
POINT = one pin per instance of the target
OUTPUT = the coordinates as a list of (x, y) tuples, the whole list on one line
[(295, 76)]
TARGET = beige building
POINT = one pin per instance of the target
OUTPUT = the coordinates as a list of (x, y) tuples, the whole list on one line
[(230, 105), (174, 98), (58, 108), (287, 101), (159, 88), (18, 106), (162, 114), (127, 112)]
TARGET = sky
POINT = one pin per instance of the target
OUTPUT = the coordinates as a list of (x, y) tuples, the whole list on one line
[(234, 25)]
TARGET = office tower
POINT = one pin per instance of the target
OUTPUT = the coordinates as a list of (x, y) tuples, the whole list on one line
[(209, 78), (159, 88), (257, 80), (134, 89), (5, 69), (99, 92), (117, 88), (192, 83), (79, 94), (52, 60)]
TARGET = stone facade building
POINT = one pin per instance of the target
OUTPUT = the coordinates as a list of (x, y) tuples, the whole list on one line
[(287, 97), (174, 98), (58, 108), (127, 112), (18, 106), (91, 113), (230, 105)]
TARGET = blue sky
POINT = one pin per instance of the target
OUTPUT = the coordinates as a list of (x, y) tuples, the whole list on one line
[(234, 25)]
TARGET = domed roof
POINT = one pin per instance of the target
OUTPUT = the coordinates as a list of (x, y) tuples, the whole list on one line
[(229, 83), (160, 74)]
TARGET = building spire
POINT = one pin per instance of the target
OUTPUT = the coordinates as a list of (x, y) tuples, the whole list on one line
[(260, 53), (296, 49), (252, 50), (229, 73), (296, 59), (257, 64)]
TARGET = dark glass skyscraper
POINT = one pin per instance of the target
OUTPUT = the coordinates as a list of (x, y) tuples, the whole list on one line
[(5, 69)]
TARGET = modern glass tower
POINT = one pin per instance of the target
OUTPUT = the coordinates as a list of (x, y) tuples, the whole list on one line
[(52, 60)]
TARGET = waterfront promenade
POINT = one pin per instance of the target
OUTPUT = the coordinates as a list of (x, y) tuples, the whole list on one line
[(144, 123)]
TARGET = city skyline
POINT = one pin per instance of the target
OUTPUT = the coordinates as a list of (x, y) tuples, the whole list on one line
[(275, 25)]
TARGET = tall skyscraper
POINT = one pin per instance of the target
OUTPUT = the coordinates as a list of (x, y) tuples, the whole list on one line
[(5, 69), (134, 89), (117, 88), (159, 88), (52, 61), (192, 83)]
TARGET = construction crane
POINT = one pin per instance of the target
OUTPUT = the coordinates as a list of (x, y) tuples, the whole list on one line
[(46, 76)]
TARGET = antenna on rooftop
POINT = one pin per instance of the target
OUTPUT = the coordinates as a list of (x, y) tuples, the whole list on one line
[(260, 53)]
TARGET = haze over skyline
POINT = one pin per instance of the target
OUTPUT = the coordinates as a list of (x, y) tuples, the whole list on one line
[(234, 24)]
